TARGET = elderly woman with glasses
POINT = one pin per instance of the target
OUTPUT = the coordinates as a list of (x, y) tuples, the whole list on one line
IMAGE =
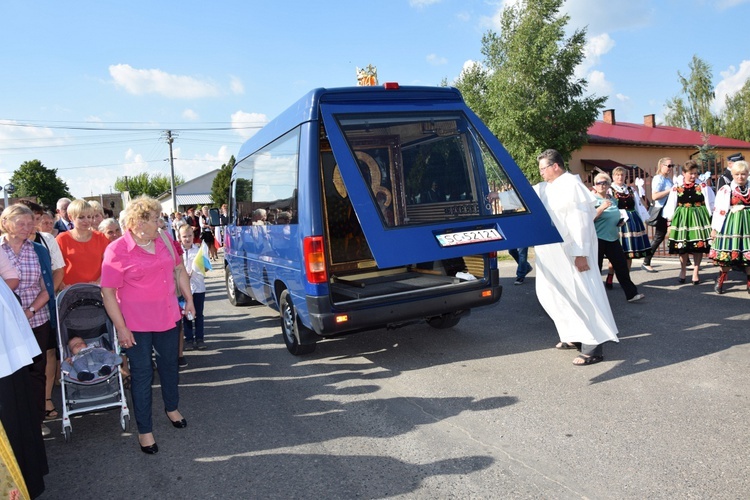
[(633, 234), (608, 220), (661, 186), (110, 228), (139, 276)]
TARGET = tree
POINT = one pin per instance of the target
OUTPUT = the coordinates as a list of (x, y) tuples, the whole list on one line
[(706, 152), (692, 110), (737, 114), (149, 185), (527, 92), (220, 186), (34, 179)]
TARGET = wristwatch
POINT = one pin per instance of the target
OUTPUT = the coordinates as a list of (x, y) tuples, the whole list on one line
[(33, 311)]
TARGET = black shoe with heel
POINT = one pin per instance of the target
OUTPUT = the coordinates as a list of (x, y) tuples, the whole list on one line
[(180, 424), (150, 450)]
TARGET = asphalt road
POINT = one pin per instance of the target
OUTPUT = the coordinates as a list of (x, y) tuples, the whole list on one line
[(485, 410)]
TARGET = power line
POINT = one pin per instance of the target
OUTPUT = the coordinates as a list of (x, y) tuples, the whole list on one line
[(4, 122)]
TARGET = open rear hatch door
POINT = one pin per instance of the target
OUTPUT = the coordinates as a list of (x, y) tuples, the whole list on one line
[(418, 177)]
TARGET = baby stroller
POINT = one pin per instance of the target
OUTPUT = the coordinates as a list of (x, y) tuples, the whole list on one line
[(81, 313)]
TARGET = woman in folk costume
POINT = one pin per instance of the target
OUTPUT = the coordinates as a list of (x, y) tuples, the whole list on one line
[(688, 207), (633, 235), (731, 226)]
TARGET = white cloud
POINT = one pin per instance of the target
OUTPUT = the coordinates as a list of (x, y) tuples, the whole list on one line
[(135, 162), (155, 81), (732, 81), (728, 4), (594, 15), (191, 115), (235, 84), (593, 51), (11, 130), (468, 64), (436, 60), (190, 168), (23, 143), (598, 83), (422, 3), (247, 124), (598, 17)]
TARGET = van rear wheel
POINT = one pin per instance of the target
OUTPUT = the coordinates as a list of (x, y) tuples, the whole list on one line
[(236, 297), (444, 321), (291, 327)]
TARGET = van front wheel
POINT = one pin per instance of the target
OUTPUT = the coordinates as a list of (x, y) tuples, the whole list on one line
[(291, 328)]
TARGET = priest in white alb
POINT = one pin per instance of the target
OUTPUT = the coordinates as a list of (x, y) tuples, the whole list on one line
[(568, 284)]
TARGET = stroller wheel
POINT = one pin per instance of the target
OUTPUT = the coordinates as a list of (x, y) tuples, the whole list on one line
[(67, 431), (124, 422)]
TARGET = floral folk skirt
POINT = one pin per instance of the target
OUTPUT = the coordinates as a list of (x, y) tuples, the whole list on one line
[(731, 247), (690, 230)]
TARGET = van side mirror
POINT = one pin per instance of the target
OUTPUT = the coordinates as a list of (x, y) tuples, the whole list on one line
[(213, 214)]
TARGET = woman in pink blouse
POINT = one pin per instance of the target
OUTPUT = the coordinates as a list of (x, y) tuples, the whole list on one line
[(138, 287)]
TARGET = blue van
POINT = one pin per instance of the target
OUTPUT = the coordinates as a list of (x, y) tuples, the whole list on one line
[(366, 207)]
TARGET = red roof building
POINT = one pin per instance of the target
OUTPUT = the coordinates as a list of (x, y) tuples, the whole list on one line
[(642, 145)]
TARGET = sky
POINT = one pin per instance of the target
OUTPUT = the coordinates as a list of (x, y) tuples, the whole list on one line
[(90, 87)]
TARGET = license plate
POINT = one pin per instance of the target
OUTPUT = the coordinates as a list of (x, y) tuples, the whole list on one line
[(468, 237)]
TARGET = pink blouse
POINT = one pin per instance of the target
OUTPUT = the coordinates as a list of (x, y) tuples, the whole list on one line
[(144, 283)]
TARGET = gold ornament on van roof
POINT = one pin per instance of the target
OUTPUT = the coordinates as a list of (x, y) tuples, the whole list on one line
[(367, 77)]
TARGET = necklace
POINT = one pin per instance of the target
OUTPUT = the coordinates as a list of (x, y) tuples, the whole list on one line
[(145, 244)]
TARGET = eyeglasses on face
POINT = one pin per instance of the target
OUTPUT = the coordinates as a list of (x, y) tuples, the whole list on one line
[(671, 165), (602, 183), (542, 169)]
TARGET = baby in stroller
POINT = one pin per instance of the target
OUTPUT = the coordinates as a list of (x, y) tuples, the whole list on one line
[(89, 361)]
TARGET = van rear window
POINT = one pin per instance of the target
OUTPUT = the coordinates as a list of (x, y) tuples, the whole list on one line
[(425, 168)]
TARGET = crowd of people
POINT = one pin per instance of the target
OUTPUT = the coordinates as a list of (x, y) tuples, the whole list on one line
[(154, 294), (608, 220), (151, 289)]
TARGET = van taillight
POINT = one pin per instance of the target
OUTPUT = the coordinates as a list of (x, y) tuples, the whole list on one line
[(390, 85), (315, 262), (492, 255)]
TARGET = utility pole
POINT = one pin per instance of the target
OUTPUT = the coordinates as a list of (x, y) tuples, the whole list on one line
[(170, 140)]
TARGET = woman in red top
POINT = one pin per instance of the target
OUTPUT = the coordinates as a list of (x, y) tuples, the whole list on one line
[(82, 247)]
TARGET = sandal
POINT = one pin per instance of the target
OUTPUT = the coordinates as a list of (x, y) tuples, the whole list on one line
[(564, 346), (51, 414), (588, 360)]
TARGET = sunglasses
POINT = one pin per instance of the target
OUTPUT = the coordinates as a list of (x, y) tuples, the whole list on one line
[(602, 183), (671, 165)]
